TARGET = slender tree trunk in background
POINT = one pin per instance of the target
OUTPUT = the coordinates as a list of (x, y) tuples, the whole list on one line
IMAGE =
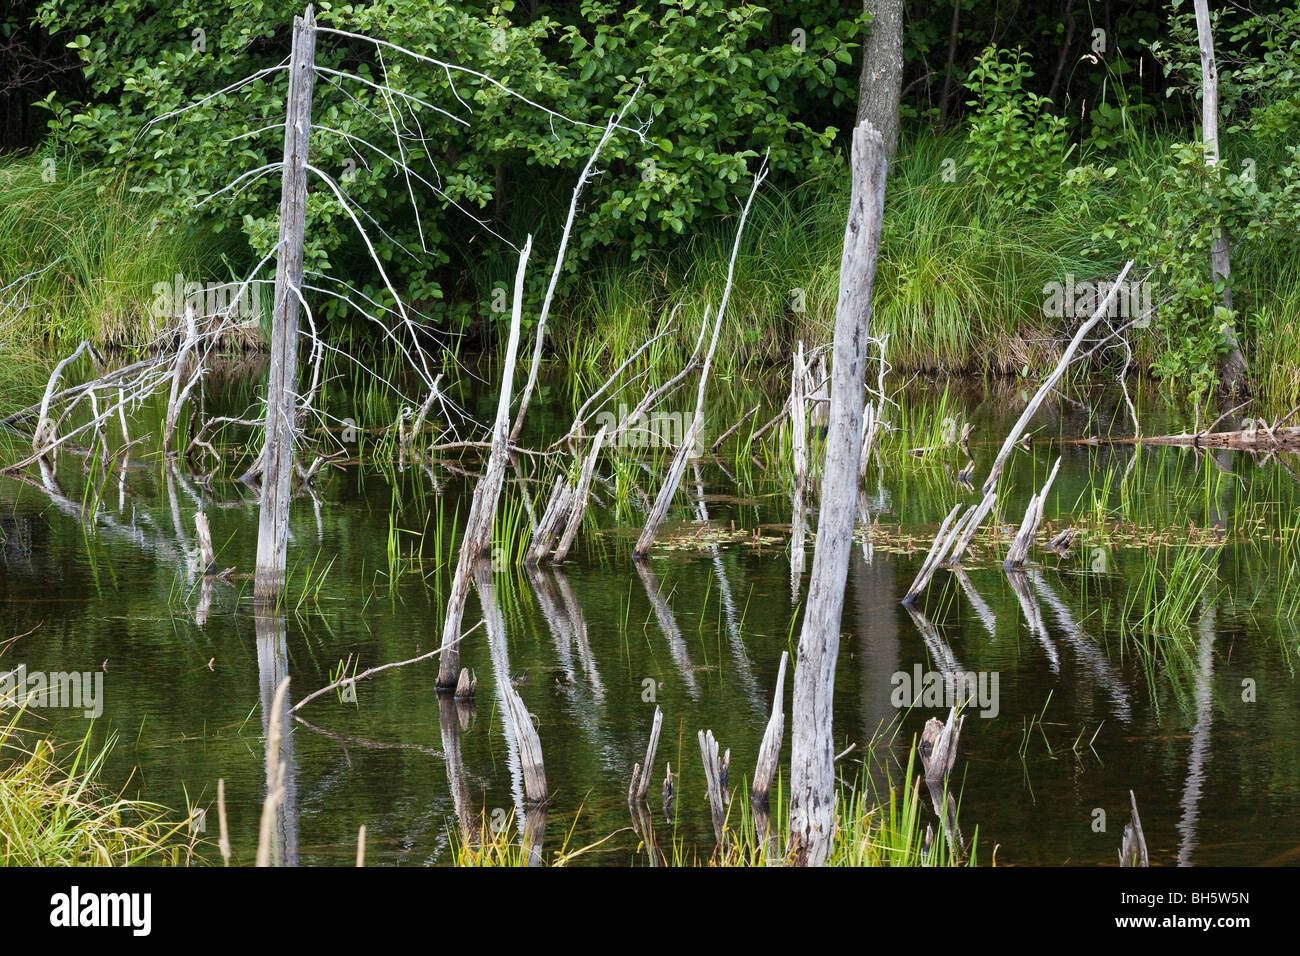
[(952, 61), (882, 70), (1232, 371), (1063, 57), (812, 769)]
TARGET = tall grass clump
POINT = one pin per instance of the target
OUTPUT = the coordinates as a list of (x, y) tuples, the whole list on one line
[(55, 812), (104, 250)]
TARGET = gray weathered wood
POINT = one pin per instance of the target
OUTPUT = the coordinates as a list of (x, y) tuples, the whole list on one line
[(1024, 538), (1050, 382), (881, 82), (557, 509), (799, 417), (44, 432), (770, 749), (812, 794), (180, 389), (282, 378), (973, 520), (579, 505), (938, 551), (1232, 369), (641, 773), (938, 745), (482, 510), (715, 781), (1133, 849)]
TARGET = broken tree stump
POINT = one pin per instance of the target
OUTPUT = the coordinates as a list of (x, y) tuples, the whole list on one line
[(1024, 538), (1133, 849)]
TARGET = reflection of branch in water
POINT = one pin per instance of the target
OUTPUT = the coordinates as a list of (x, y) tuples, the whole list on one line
[(1033, 616), (365, 743), (1084, 646), (1200, 749), (940, 652), (453, 717), (982, 610), (668, 625), (743, 667)]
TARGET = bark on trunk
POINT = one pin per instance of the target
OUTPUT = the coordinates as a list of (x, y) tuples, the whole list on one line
[(812, 803), (881, 82)]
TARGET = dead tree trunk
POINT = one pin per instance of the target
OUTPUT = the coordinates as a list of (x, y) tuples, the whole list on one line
[(1050, 382), (282, 379), (798, 420), (1024, 538), (483, 507), (812, 803), (770, 750), (1232, 371)]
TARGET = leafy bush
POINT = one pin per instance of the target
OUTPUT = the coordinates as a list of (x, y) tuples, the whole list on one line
[(715, 83), (1017, 144)]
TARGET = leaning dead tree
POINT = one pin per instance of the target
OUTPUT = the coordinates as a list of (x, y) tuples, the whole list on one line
[(478, 529), (812, 791), (1050, 382), (668, 490)]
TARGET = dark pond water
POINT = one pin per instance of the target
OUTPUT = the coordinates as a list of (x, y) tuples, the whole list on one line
[(1197, 717)]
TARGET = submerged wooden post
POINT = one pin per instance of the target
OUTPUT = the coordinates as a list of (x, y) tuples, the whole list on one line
[(812, 790), (282, 379)]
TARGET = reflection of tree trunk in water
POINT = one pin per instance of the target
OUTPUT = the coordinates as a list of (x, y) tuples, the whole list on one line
[(876, 649), (734, 638), (1200, 749), (1085, 649), (272, 668), (982, 609), (1033, 615), (668, 625), (643, 827), (945, 808), (1220, 512), (531, 819), (944, 660), (453, 717)]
